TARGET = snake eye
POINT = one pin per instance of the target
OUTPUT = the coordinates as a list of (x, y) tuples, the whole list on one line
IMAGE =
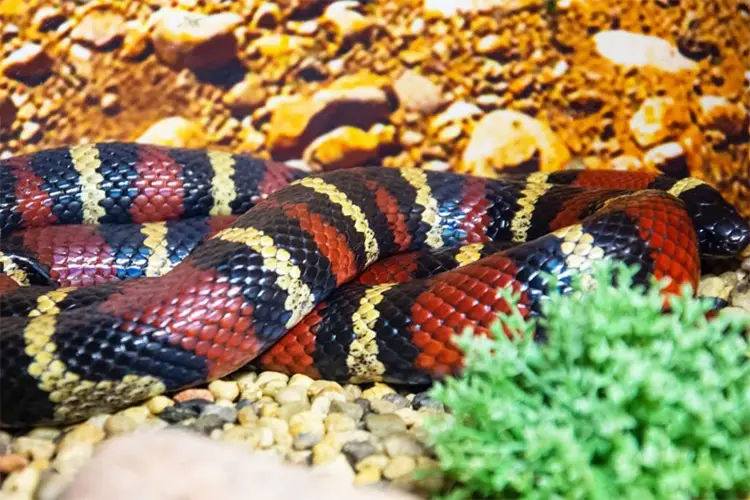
[(722, 231)]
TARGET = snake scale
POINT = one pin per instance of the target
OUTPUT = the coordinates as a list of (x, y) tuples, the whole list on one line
[(129, 270)]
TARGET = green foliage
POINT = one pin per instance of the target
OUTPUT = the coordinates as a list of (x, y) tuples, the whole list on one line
[(624, 401)]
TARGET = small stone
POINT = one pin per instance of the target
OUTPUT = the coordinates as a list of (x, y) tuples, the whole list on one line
[(247, 416), (71, 458), (288, 410), (48, 433), (714, 286), (279, 428), (299, 457), (626, 163), (327, 449), (248, 438), (84, 433), (158, 404), (307, 429), (207, 423), (339, 422), (13, 462), (505, 139), (399, 467), (376, 460), (352, 410), (80, 58), (630, 49), (273, 387), (740, 296), (110, 102), (291, 395), (137, 413), (344, 147), (222, 389), (29, 61), (266, 377), (136, 40), (423, 400), (225, 413), (347, 23), (270, 409), (119, 424), (34, 448), (177, 132), (246, 95), (356, 451), (8, 110), (30, 132), (648, 124), (368, 475), (52, 485), (720, 114), (449, 8), (191, 394), (389, 403), (458, 111), (185, 39), (417, 93), (300, 380), (267, 16), (320, 386), (384, 425), (21, 483), (403, 444), (183, 411), (278, 45), (99, 28), (358, 100), (668, 158), (48, 18), (377, 391), (499, 47)]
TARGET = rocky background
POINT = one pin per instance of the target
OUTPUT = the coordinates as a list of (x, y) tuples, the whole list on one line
[(476, 86)]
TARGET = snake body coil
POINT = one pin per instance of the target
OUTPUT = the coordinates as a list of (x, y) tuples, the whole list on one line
[(130, 270)]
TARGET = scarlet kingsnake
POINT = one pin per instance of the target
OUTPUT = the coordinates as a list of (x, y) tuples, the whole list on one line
[(131, 270)]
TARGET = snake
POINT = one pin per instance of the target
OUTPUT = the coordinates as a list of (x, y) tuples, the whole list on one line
[(131, 270)]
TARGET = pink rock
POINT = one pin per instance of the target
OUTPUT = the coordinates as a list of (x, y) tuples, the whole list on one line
[(179, 464)]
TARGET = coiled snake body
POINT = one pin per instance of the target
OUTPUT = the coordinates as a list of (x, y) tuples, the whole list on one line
[(130, 270)]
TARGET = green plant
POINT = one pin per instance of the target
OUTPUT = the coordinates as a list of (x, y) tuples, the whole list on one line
[(625, 401)]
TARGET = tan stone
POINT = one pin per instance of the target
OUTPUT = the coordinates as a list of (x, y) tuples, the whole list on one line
[(29, 61), (344, 147), (279, 44), (99, 28), (196, 41), (649, 124), (626, 48), (346, 22), (720, 114), (504, 139), (174, 131), (359, 100), (417, 93)]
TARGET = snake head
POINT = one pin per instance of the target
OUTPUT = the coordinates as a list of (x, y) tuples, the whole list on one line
[(722, 231)]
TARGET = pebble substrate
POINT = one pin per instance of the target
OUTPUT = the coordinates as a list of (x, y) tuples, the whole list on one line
[(489, 86)]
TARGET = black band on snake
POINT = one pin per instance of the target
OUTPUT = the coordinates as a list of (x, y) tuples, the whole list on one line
[(131, 270)]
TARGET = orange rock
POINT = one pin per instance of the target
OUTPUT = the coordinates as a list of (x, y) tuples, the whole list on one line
[(12, 462), (359, 100), (190, 394), (344, 147)]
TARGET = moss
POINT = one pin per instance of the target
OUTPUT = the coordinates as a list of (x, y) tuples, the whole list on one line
[(624, 401)]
